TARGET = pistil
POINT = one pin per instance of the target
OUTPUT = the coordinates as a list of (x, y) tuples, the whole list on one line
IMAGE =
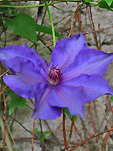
[(54, 76)]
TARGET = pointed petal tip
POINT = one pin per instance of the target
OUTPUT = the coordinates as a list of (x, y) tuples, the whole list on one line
[(76, 36), (111, 92), (81, 112), (25, 45)]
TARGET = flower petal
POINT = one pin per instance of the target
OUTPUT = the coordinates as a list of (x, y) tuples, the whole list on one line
[(88, 61), (26, 69), (10, 52), (21, 51), (22, 88), (27, 76), (42, 109), (66, 49), (68, 97), (93, 86)]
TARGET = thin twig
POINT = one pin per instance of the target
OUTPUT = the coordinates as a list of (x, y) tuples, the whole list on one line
[(92, 118), (45, 44), (79, 17), (4, 73), (54, 136), (3, 90), (33, 135), (74, 25), (64, 131), (99, 37), (80, 136), (71, 129), (21, 125), (9, 131), (66, 23), (92, 26), (45, 47), (98, 30), (41, 127), (85, 130), (98, 134), (106, 138), (61, 20), (8, 140), (5, 122), (96, 115)]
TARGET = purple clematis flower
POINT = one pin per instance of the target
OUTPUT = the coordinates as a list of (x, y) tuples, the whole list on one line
[(73, 78)]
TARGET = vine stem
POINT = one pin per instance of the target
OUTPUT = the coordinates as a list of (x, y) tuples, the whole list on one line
[(33, 135), (64, 131), (52, 26), (29, 6)]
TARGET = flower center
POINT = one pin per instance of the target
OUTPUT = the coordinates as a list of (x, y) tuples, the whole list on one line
[(54, 76)]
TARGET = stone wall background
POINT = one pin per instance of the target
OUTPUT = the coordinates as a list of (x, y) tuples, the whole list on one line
[(103, 116)]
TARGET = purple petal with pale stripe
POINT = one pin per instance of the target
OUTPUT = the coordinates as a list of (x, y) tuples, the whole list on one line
[(15, 51), (93, 86), (26, 78), (88, 61), (68, 97), (43, 109), (66, 49), (22, 88)]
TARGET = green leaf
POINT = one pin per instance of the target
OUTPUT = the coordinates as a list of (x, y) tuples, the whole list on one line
[(46, 138), (47, 132), (88, 0), (69, 115), (37, 133), (23, 25), (103, 4), (111, 6), (109, 2), (47, 30), (36, 130), (16, 101), (111, 98), (41, 138)]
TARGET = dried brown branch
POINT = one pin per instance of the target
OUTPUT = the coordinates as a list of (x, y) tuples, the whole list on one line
[(92, 26), (64, 132), (5, 122), (98, 134), (92, 119), (71, 129), (80, 136), (33, 134)]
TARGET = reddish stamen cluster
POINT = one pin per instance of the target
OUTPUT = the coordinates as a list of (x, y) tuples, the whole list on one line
[(54, 76)]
